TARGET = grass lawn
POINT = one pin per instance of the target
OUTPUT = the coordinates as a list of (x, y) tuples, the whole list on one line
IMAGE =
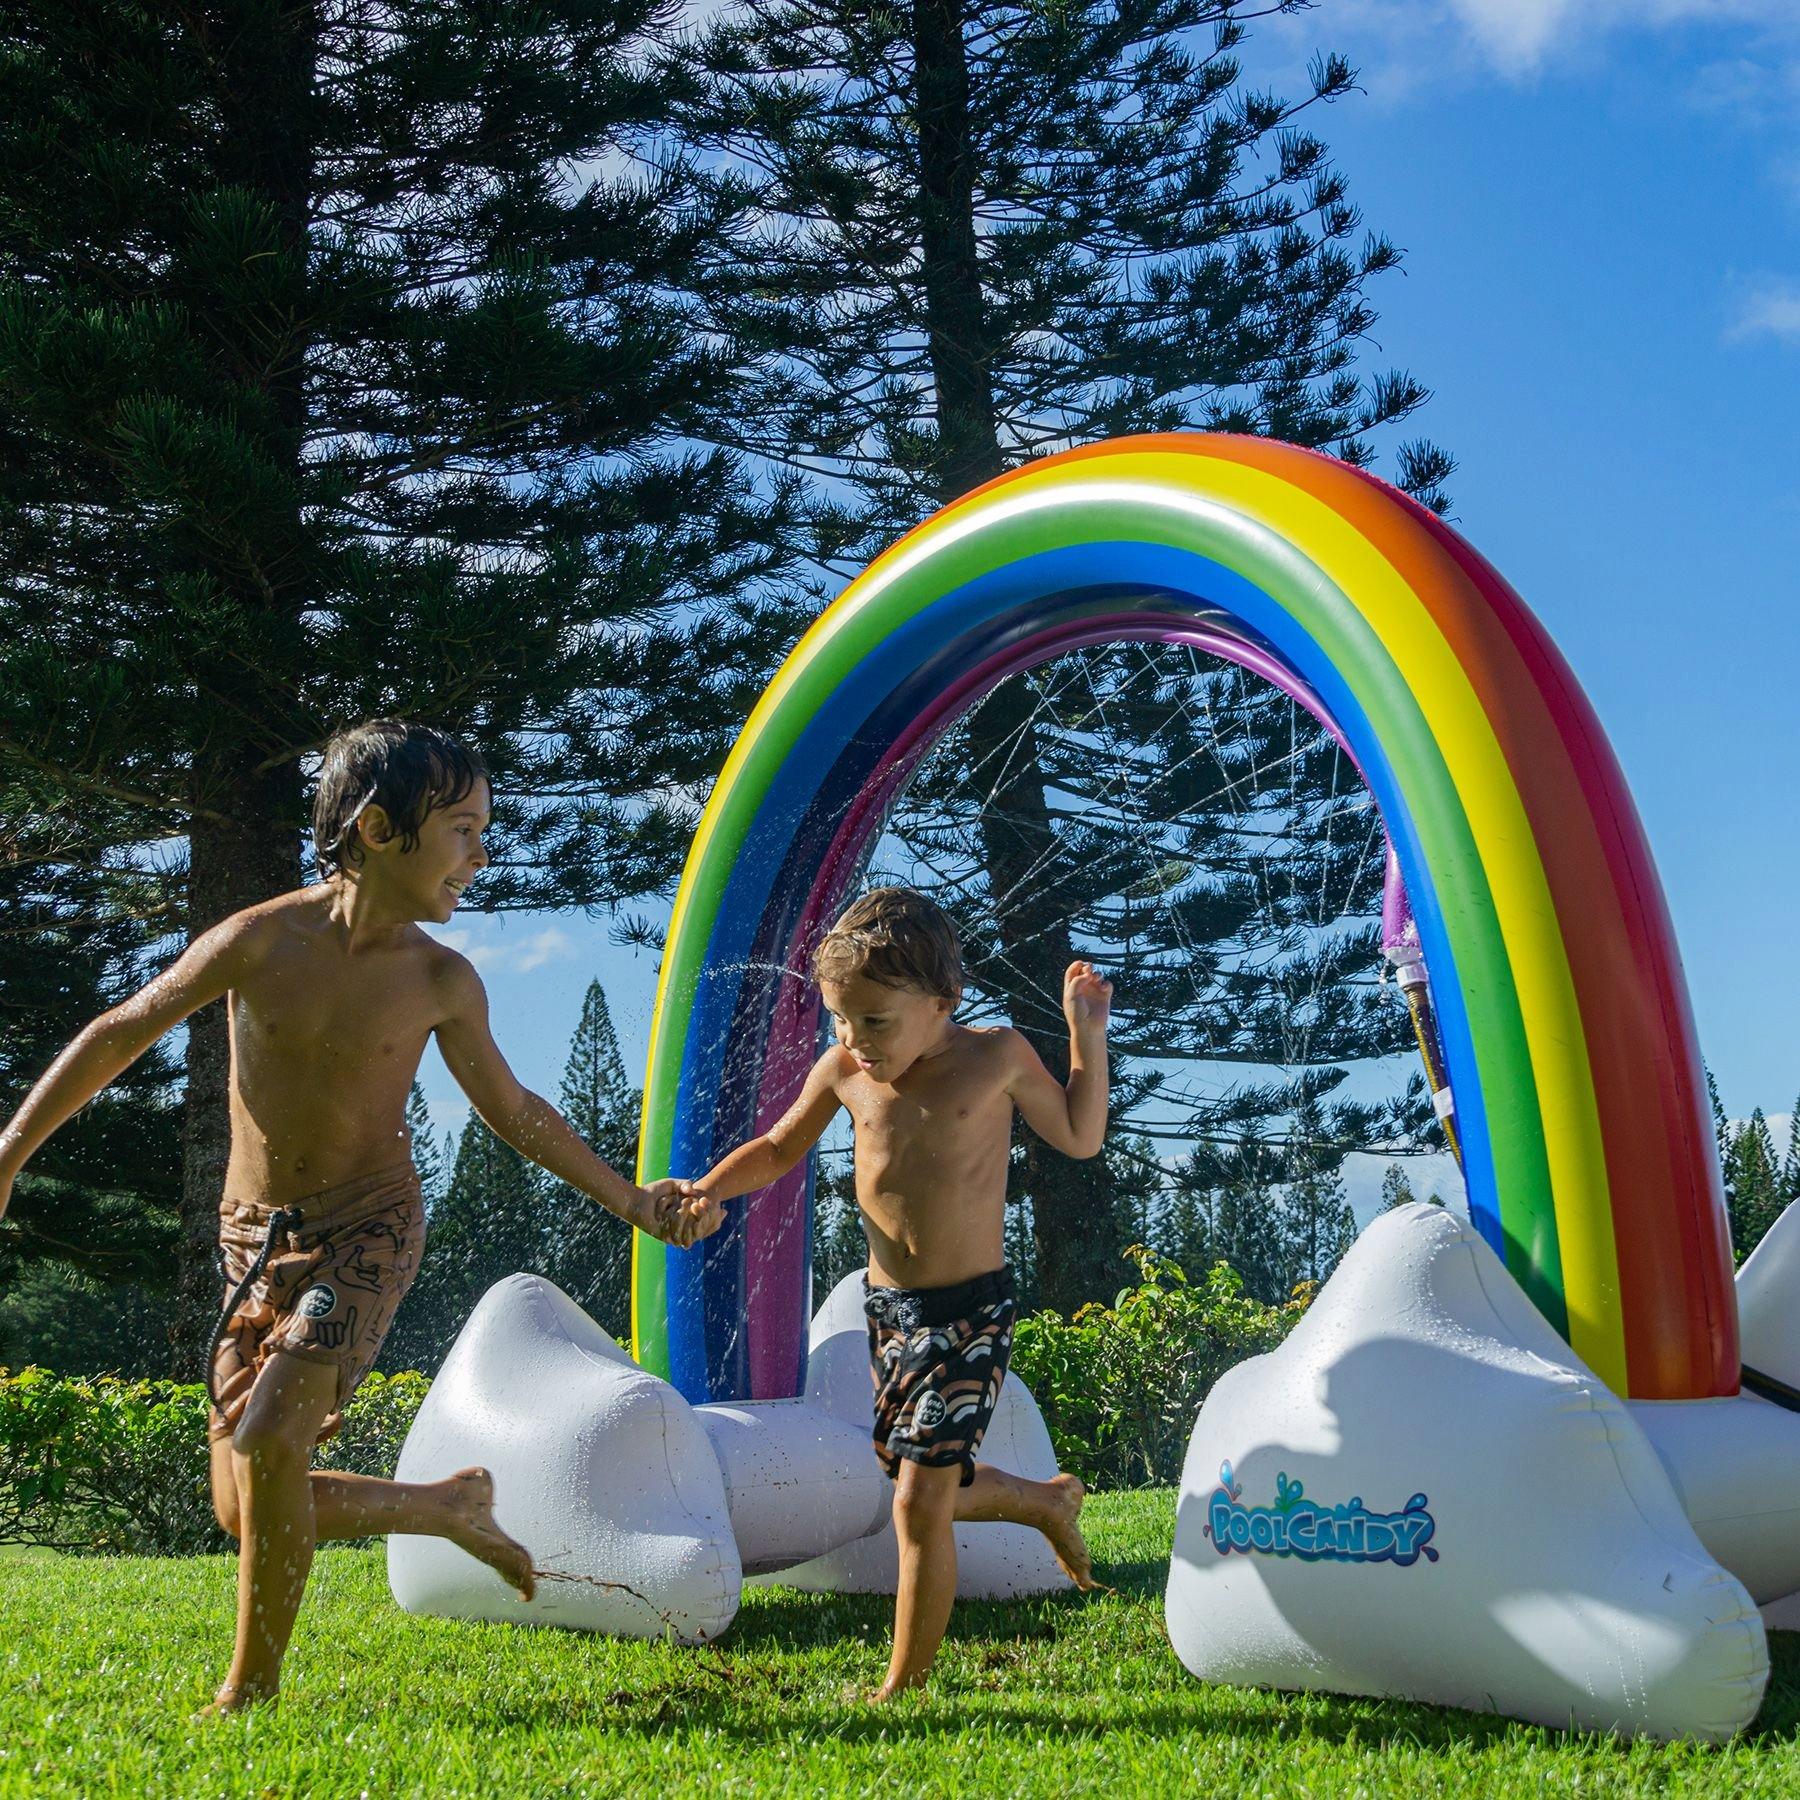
[(102, 1661)]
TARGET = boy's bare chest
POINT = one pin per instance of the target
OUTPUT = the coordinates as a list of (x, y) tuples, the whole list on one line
[(936, 1120), (312, 1006)]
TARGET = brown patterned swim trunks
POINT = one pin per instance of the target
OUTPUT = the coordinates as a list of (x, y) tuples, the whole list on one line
[(330, 1287), (938, 1356)]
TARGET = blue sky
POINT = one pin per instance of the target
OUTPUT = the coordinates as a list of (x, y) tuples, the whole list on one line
[(1599, 202)]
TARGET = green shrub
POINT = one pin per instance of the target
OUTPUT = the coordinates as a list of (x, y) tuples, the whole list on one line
[(118, 1466), (1120, 1385)]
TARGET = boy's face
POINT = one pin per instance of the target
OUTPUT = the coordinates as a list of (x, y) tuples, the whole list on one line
[(450, 854), (886, 1029)]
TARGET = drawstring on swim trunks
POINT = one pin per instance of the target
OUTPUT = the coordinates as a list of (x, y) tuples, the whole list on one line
[(284, 1218)]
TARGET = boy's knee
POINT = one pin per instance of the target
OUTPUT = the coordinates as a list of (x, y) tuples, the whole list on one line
[(924, 1500), (271, 1444)]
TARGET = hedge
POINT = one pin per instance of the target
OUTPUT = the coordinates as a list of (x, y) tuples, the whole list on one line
[(1120, 1386), (107, 1465), (102, 1464)]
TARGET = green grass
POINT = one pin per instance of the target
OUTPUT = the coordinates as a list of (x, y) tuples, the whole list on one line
[(102, 1661)]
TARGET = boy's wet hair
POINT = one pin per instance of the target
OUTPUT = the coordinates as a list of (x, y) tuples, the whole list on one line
[(896, 937), (408, 770)]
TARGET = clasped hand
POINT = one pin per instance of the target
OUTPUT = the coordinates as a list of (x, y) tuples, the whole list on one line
[(681, 1213)]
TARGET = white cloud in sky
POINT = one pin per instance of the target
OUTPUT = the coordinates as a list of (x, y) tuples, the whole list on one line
[(1767, 309), (1521, 35), (494, 953), (1405, 44)]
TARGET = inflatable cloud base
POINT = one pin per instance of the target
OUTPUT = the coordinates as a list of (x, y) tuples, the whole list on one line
[(1424, 1493), (643, 1514)]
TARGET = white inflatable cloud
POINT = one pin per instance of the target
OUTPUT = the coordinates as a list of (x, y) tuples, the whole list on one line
[(993, 1562), (602, 1471), (1424, 1493)]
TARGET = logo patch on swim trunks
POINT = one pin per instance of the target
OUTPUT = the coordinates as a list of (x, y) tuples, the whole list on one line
[(316, 1302), (929, 1413)]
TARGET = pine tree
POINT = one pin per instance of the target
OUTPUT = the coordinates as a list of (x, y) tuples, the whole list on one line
[(586, 1251), (1003, 230), (1755, 1185), (1790, 1162), (428, 1150), (1235, 1188), (326, 392), (1396, 1188), (487, 1225), (1723, 1135), (99, 1201), (840, 1246), (1316, 1219)]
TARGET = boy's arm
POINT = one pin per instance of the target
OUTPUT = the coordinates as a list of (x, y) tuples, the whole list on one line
[(532, 1125), (1071, 1119), (215, 962), (767, 1158)]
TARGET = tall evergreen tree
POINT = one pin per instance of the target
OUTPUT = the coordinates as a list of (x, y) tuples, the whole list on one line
[(1722, 1136), (840, 1247), (1756, 1197), (428, 1152), (585, 1250), (325, 392), (100, 1199), (1396, 1188), (1004, 229), (487, 1225), (1319, 1225), (1790, 1162)]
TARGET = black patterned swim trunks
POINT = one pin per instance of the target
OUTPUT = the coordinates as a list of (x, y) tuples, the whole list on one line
[(938, 1357)]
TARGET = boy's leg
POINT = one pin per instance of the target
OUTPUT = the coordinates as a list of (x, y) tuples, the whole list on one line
[(925, 1524), (460, 1508), (270, 1451), (1052, 1507)]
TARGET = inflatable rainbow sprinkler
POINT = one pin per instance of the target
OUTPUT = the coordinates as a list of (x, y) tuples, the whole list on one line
[(1556, 1385)]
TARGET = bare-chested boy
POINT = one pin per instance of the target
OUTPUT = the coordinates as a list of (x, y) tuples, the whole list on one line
[(932, 1102), (333, 991)]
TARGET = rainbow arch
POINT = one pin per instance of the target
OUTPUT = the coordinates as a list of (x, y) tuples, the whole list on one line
[(1587, 1139)]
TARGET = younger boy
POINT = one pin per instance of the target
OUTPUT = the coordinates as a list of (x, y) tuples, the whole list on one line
[(932, 1103), (332, 992)]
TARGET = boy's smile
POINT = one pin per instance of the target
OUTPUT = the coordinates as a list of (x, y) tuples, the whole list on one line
[(450, 847), (429, 880)]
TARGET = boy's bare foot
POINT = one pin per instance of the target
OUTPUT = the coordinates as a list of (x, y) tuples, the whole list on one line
[(472, 1528), (1064, 1533), (235, 1697)]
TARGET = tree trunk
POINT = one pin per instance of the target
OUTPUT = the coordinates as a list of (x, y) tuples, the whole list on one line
[(1074, 1223), (266, 104), (230, 867), (1075, 1228)]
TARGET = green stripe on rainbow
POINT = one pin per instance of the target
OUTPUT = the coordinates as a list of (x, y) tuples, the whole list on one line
[(1566, 1028)]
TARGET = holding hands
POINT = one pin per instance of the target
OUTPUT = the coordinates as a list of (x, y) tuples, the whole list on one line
[(679, 1213), (1087, 998)]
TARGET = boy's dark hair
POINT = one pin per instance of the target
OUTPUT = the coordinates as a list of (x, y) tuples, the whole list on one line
[(408, 770), (896, 937)]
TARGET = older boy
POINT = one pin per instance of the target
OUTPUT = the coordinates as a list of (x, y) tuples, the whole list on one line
[(932, 1102), (333, 991)]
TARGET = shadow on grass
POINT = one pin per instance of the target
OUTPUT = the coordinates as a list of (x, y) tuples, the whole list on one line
[(786, 1619), (725, 1690)]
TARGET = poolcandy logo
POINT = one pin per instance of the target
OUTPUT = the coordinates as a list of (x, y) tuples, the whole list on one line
[(1296, 1526)]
